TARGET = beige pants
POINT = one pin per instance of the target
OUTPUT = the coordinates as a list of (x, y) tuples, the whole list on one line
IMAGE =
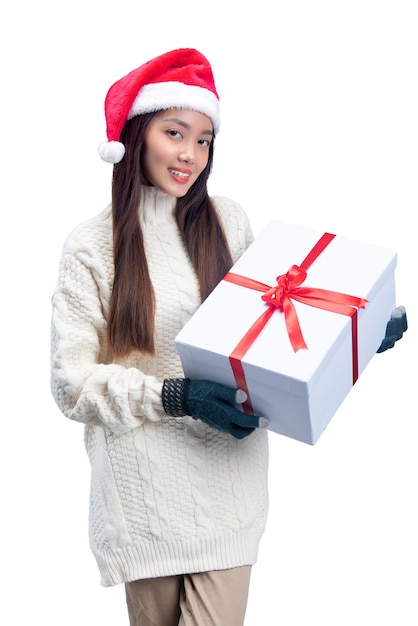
[(205, 599)]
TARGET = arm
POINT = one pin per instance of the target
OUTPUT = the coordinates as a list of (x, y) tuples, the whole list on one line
[(90, 390), (86, 386)]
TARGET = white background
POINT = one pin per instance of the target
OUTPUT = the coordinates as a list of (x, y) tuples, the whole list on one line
[(319, 127)]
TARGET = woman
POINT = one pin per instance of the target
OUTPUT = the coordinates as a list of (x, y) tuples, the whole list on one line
[(178, 472)]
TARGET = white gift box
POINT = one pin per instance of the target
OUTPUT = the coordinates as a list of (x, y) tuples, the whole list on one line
[(298, 390)]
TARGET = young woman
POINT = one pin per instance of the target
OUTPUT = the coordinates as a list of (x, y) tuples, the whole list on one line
[(178, 472)]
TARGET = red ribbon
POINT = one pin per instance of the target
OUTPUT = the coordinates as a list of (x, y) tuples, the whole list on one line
[(279, 298)]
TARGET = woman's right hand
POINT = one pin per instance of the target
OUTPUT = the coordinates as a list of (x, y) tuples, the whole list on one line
[(213, 403)]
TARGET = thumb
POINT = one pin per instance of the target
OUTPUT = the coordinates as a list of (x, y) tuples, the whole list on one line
[(240, 396)]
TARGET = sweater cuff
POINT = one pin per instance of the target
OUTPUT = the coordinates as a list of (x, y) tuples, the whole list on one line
[(149, 404), (173, 396)]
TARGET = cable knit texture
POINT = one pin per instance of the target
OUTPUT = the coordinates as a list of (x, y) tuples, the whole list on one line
[(168, 495)]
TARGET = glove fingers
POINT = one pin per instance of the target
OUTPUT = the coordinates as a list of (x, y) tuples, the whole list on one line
[(244, 420), (229, 394), (236, 430), (239, 432), (237, 418), (395, 328), (216, 405)]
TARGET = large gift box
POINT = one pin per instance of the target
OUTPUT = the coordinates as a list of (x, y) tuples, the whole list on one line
[(294, 323)]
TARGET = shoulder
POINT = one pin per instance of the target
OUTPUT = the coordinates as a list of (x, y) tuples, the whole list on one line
[(236, 224), (87, 253), (93, 236), (228, 209)]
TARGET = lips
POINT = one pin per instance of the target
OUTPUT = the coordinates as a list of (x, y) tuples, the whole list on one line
[(182, 175)]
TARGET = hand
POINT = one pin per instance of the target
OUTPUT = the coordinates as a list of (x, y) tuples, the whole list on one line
[(395, 328), (213, 403)]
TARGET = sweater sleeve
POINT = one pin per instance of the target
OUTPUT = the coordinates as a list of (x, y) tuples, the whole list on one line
[(85, 387)]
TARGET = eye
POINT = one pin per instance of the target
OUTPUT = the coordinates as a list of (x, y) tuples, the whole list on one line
[(204, 142), (174, 133)]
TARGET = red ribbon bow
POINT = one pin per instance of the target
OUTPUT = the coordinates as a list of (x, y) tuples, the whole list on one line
[(280, 296), (276, 295)]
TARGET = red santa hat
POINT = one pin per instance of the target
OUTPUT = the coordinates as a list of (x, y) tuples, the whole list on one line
[(180, 79)]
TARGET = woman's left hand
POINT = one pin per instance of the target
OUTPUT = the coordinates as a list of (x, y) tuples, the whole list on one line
[(395, 328)]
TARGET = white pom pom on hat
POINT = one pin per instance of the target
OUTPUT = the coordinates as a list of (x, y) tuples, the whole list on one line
[(180, 79), (112, 151)]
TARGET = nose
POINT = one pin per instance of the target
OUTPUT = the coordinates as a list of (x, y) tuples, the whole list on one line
[(187, 153)]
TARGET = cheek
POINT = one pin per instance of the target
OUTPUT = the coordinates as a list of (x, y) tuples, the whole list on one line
[(203, 161), (152, 160)]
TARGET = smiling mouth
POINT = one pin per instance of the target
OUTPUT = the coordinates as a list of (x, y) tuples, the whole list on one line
[(177, 173)]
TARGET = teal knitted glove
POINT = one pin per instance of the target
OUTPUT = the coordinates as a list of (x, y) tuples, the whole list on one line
[(395, 328), (210, 402)]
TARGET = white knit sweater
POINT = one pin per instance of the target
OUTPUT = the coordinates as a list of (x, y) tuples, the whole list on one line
[(168, 495)]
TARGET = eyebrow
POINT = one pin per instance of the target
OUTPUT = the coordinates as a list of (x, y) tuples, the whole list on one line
[(185, 125)]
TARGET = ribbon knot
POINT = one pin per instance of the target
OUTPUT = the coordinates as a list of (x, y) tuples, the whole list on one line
[(276, 295)]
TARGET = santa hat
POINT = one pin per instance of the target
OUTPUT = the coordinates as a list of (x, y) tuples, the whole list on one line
[(180, 79)]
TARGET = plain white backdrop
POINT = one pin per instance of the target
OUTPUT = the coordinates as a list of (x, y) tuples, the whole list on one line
[(319, 127)]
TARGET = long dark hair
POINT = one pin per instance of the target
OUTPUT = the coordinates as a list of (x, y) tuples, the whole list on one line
[(132, 304)]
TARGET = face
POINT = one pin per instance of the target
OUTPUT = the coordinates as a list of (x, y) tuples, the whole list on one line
[(176, 149)]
